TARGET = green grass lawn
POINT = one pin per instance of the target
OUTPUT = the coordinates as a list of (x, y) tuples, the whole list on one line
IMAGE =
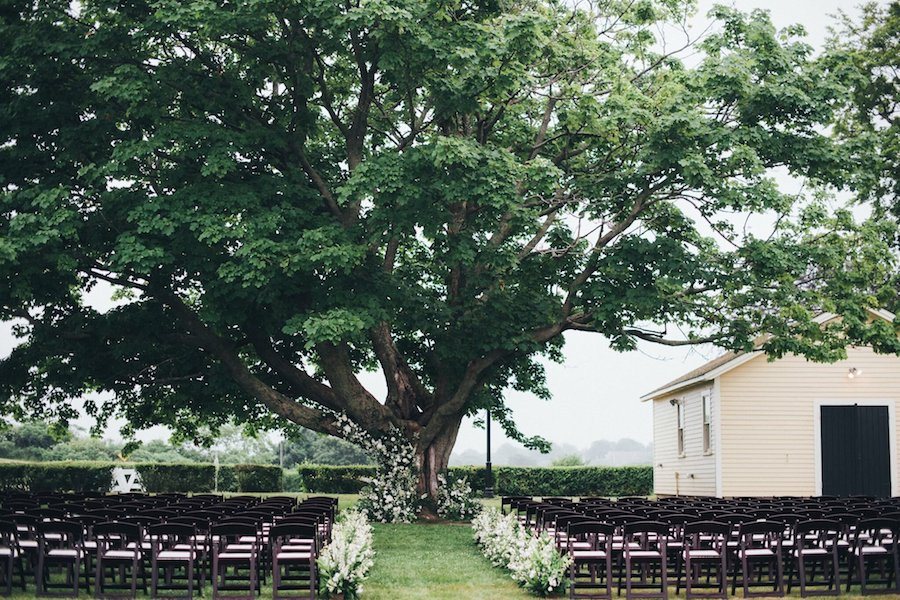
[(437, 561)]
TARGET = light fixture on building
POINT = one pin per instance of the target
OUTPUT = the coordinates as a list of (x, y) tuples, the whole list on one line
[(674, 401), (853, 373)]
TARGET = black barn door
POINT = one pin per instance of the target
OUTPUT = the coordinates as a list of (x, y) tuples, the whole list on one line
[(856, 451)]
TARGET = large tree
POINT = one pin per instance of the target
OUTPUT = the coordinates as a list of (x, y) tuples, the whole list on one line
[(286, 193), (871, 120)]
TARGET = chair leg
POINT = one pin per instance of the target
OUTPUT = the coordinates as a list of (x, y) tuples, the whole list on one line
[(608, 576), (723, 576), (76, 574), (39, 575), (688, 576), (134, 570), (860, 565), (215, 576), (779, 572), (627, 578)]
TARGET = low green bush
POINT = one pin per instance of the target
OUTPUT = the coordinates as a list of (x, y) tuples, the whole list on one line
[(291, 481), (177, 477), (66, 476), (572, 481), (508, 481), (226, 479), (327, 479), (258, 478)]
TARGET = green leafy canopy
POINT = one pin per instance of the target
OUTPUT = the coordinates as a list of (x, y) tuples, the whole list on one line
[(286, 193)]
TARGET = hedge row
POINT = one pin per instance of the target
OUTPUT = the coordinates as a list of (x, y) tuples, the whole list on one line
[(56, 477), (158, 478), (508, 481)]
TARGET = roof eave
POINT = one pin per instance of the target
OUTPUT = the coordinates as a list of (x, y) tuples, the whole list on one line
[(741, 359), (731, 364)]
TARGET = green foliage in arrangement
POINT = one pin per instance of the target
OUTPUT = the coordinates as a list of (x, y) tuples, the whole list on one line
[(512, 481)]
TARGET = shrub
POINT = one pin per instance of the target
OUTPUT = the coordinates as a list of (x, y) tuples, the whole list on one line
[(563, 481), (226, 479), (328, 479), (455, 500), (77, 476), (180, 477), (258, 478), (508, 481), (291, 481), (56, 476)]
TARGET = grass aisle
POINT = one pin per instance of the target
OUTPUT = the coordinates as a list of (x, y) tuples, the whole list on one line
[(438, 561)]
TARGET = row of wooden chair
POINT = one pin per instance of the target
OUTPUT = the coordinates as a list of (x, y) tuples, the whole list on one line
[(179, 542), (640, 546)]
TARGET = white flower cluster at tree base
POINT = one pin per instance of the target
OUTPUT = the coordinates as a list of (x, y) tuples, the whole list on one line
[(345, 562), (391, 497), (456, 501), (535, 562)]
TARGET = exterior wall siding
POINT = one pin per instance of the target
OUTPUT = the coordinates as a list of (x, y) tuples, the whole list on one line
[(694, 473), (767, 413)]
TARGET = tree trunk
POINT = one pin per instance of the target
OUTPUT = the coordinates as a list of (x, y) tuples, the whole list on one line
[(434, 458)]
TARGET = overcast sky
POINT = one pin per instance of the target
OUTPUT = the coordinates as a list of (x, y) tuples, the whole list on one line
[(596, 391)]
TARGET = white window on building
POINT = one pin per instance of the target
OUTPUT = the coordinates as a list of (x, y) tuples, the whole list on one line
[(707, 423), (680, 407)]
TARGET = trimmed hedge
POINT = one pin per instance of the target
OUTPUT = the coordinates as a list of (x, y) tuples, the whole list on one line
[(508, 481), (75, 476), (227, 479), (160, 478), (562, 481), (258, 478), (176, 477), (156, 477), (327, 479)]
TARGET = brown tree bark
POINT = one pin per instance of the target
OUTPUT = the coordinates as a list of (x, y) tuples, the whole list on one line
[(433, 458)]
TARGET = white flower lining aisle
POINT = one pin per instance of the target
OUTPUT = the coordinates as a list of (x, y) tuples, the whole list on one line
[(532, 558), (345, 562)]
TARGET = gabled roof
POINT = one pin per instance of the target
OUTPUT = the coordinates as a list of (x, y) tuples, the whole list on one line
[(731, 360)]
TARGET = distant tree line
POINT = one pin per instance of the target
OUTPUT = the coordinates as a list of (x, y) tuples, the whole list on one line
[(42, 442)]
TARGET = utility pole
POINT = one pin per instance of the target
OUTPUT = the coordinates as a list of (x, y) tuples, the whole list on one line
[(489, 474)]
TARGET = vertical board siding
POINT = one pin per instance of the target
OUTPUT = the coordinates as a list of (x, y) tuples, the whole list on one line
[(767, 419), (696, 470)]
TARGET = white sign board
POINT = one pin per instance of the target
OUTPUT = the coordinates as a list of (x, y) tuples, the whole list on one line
[(126, 480)]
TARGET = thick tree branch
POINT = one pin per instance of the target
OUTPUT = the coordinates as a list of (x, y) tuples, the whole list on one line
[(641, 202), (472, 379), (305, 385), (320, 184), (405, 391), (658, 339), (366, 410), (225, 353)]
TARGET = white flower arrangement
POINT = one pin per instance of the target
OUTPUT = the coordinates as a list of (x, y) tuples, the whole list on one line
[(455, 500), (345, 562), (391, 497), (534, 560)]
